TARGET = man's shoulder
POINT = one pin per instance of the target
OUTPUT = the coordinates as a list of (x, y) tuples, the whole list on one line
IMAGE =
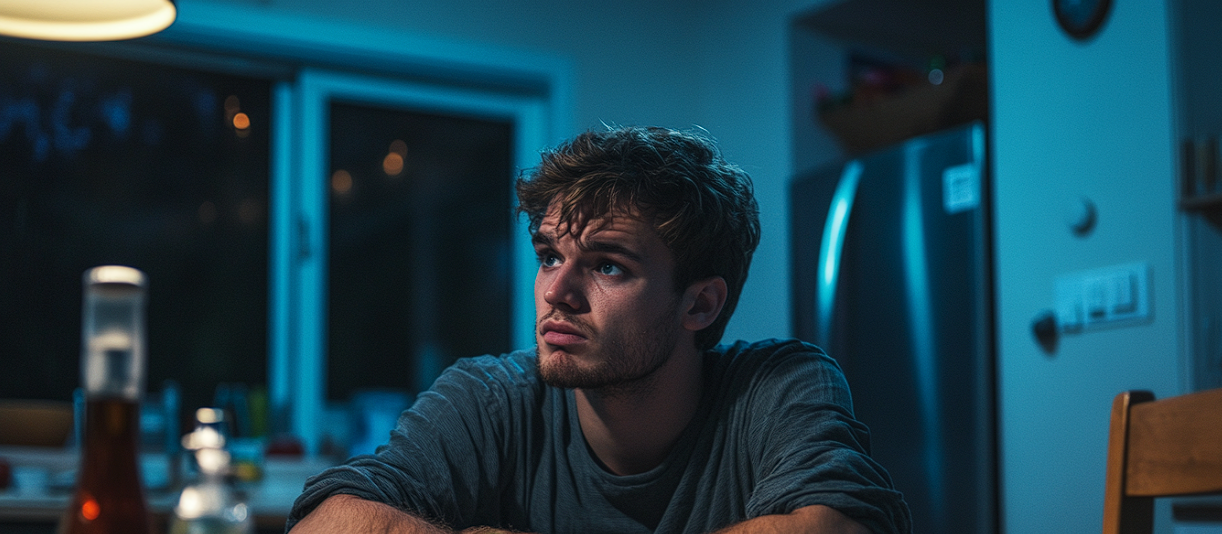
[(512, 367), (773, 361), (771, 351), (521, 360), (772, 376)]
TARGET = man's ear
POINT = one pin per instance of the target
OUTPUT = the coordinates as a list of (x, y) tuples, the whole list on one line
[(702, 303)]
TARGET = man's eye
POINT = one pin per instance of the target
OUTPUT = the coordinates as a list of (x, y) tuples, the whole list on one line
[(548, 260), (610, 269)]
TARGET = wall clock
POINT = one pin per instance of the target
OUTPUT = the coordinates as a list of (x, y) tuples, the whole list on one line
[(1081, 19)]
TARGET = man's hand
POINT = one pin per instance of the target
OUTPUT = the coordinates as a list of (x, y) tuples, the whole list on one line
[(817, 519), (341, 514)]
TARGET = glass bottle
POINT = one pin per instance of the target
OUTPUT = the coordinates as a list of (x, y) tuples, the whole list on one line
[(209, 505), (109, 495)]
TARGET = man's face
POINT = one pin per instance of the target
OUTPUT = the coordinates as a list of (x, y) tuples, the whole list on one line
[(607, 314)]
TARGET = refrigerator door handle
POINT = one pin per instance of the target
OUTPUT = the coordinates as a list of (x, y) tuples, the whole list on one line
[(831, 248)]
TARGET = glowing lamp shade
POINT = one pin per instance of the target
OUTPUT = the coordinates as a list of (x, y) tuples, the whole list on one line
[(84, 20)]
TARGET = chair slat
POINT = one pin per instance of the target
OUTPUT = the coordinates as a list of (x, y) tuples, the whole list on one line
[(1175, 446)]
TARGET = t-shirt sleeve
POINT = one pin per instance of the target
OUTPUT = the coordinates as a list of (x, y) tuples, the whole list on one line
[(809, 449), (443, 460)]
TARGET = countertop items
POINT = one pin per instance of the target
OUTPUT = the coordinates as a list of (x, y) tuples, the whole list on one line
[(42, 481)]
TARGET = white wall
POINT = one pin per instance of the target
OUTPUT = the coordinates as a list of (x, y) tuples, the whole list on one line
[(1077, 119)]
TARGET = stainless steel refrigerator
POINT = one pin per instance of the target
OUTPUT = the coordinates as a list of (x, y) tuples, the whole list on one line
[(891, 273)]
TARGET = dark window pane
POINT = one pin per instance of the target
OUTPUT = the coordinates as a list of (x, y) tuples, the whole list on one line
[(114, 161), (419, 267)]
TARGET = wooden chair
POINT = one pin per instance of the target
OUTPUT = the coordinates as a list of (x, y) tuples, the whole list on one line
[(1160, 448)]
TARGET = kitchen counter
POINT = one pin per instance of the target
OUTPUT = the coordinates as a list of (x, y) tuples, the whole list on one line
[(42, 479)]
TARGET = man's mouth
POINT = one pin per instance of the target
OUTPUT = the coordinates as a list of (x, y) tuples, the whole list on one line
[(559, 333)]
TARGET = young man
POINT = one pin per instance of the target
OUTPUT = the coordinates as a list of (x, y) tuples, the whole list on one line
[(626, 417)]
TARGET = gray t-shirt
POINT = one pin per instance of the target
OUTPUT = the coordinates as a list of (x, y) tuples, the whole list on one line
[(490, 444)]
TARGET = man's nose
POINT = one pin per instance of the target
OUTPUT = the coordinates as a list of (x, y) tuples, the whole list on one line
[(564, 289)]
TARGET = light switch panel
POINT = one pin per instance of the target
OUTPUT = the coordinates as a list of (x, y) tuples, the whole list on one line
[(1103, 297)]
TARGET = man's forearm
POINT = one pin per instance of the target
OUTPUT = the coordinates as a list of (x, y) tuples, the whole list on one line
[(816, 519), (342, 514)]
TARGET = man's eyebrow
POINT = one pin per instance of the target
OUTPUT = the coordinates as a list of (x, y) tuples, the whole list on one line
[(610, 247), (539, 239)]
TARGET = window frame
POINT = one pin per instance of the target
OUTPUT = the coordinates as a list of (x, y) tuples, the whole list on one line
[(299, 234), (314, 60)]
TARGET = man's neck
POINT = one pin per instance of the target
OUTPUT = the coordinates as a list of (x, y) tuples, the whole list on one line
[(632, 430)]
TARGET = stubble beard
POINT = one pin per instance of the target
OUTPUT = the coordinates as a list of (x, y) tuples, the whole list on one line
[(625, 364)]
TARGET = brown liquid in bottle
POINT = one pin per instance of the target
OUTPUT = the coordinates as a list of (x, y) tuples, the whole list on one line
[(109, 497)]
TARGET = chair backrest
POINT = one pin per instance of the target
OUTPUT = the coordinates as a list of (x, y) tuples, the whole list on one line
[(1160, 448)]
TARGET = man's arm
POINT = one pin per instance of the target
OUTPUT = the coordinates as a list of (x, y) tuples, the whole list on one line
[(341, 514), (812, 450), (462, 417), (817, 519)]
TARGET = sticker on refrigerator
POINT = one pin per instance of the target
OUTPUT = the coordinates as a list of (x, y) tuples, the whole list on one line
[(961, 188)]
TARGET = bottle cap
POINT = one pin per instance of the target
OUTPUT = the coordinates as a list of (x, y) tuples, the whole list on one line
[(115, 274)]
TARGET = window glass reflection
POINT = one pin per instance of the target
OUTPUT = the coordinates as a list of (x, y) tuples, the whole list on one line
[(419, 266), (165, 169)]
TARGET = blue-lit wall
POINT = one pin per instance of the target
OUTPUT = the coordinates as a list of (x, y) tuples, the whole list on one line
[(1073, 119)]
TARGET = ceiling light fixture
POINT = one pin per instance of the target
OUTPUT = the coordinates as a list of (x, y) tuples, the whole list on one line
[(84, 20)]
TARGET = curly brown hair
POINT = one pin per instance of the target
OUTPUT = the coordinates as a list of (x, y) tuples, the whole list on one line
[(702, 207)]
